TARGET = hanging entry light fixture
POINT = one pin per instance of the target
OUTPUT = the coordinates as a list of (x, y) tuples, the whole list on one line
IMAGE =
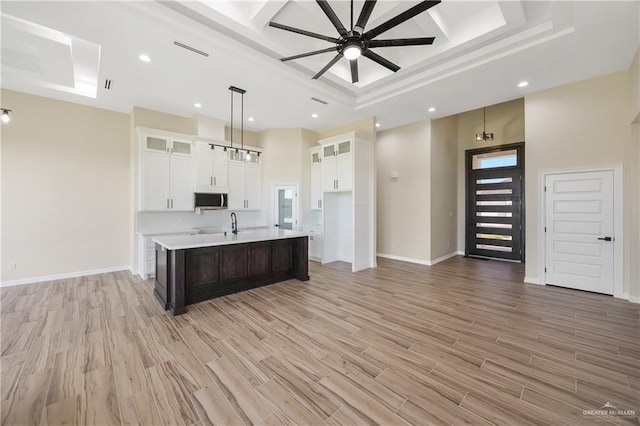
[(5, 115), (484, 136), (247, 152)]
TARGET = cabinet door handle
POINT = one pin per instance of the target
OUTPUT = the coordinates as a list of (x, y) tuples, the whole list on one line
[(172, 203), (320, 203), (214, 181), (210, 180), (167, 203)]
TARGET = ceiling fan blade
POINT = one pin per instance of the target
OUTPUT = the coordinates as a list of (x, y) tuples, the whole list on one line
[(401, 42), (303, 32), (399, 19), (382, 61), (315, 52), (354, 70), (365, 13), (326, 67), (332, 17)]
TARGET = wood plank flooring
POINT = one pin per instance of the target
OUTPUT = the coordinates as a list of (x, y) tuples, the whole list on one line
[(464, 341)]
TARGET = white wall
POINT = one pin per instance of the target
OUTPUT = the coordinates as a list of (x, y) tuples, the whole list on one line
[(281, 164), (580, 125), (444, 185), (65, 188), (403, 209)]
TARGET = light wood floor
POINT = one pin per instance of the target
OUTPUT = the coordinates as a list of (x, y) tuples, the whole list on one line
[(461, 342)]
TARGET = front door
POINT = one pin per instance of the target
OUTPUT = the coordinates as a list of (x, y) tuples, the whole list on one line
[(495, 220), (579, 240)]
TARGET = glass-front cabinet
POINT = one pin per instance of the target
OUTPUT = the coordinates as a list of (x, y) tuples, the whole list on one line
[(337, 167), (166, 182)]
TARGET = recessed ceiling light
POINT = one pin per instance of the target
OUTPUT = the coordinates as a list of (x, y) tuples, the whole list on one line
[(377, 124), (250, 118), (144, 58), (197, 105), (523, 84), (314, 115), (432, 109)]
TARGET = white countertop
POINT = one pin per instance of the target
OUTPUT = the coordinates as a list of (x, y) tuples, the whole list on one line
[(180, 242), (167, 232)]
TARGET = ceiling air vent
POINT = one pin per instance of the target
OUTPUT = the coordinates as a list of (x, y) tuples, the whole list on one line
[(107, 84), (320, 101), (192, 49)]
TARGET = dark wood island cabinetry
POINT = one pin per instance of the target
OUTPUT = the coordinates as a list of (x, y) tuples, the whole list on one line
[(193, 268)]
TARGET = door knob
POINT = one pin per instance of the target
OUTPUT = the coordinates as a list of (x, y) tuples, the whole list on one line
[(605, 239)]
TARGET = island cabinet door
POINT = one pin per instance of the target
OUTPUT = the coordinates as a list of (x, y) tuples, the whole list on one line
[(259, 261), (201, 274), (283, 256), (233, 263)]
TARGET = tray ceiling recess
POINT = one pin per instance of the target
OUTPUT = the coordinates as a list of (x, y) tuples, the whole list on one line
[(357, 41), (36, 55)]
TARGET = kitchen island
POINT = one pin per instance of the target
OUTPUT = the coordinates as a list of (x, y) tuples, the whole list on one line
[(193, 268)]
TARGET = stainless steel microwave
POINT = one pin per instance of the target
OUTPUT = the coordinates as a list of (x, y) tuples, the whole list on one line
[(211, 201)]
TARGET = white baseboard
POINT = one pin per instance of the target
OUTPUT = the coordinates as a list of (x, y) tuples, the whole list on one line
[(443, 258), (633, 299), (530, 280), (461, 253), (64, 276), (404, 259)]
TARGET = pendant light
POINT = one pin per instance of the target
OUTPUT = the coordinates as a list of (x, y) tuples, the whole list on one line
[(248, 152), (5, 115), (484, 136)]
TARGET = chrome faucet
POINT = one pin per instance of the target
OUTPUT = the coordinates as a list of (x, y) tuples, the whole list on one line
[(234, 223)]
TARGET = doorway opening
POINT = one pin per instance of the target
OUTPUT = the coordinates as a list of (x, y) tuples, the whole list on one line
[(495, 202), (286, 206)]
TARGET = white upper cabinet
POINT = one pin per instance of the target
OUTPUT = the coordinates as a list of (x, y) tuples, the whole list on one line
[(337, 166), (245, 181), (211, 168), (166, 172), (316, 178)]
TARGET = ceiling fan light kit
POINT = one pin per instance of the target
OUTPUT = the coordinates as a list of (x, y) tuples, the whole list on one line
[(356, 42)]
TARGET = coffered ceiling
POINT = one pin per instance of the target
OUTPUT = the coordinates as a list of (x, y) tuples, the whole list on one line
[(482, 50)]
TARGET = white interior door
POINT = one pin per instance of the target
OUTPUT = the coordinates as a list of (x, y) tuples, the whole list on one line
[(286, 206), (579, 221)]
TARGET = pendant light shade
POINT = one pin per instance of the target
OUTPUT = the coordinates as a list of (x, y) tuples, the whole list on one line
[(5, 115)]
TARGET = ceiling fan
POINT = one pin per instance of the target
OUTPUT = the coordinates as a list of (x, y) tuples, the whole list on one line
[(352, 44)]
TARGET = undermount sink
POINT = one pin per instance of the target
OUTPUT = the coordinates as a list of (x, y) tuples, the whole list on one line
[(219, 231)]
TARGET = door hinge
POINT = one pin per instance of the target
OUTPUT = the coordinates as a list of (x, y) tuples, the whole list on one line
[(545, 189), (545, 269), (545, 229)]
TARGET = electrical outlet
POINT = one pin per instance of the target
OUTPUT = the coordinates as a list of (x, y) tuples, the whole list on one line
[(13, 266)]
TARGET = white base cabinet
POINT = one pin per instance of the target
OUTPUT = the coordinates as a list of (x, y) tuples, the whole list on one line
[(315, 242), (147, 252)]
